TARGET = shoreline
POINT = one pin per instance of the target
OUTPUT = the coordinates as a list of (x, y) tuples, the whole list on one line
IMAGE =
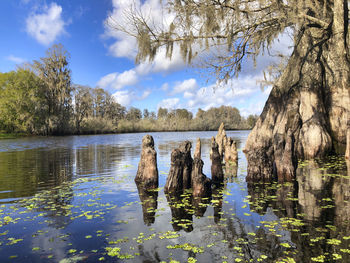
[(5, 136)]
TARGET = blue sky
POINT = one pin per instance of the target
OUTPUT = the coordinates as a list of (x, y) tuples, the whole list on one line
[(102, 57)]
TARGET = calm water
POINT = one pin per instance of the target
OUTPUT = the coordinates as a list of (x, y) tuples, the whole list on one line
[(73, 199)]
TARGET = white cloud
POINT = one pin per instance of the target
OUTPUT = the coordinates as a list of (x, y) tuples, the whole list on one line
[(127, 78), (145, 94), (172, 103), (107, 80), (187, 85), (188, 95), (126, 45), (123, 97), (118, 80), (127, 97), (15, 59), (223, 94), (47, 26)]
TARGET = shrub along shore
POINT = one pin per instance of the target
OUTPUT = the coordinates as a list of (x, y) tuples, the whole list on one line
[(39, 98)]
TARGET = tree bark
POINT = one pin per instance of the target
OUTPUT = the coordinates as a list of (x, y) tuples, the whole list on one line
[(306, 115), (201, 185), (179, 177), (217, 174), (147, 172)]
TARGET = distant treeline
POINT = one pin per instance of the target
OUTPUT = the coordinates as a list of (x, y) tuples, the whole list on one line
[(39, 98)]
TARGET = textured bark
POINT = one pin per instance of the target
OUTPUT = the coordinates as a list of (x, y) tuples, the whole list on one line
[(179, 177), (347, 152), (174, 182), (217, 175), (197, 151), (307, 112), (147, 172), (201, 185), (185, 148), (220, 139), (230, 157)]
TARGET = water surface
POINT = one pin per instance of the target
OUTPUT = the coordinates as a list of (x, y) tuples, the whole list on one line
[(72, 199)]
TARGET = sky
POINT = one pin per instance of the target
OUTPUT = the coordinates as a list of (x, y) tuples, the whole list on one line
[(102, 57)]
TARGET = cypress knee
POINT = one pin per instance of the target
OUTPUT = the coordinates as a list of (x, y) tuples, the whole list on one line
[(217, 174), (201, 185), (147, 172)]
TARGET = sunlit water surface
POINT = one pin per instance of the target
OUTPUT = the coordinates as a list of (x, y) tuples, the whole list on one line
[(73, 199)]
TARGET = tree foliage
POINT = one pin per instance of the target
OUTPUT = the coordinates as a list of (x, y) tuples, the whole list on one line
[(21, 102), (54, 72), (40, 99), (231, 30)]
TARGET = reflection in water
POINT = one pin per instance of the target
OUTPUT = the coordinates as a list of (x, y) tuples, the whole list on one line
[(231, 172), (24, 173), (200, 205), (82, 199), (217, 199), (149, 203), (315, 209), (181, 211)]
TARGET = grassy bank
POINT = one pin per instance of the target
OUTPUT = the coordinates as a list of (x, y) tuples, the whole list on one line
[(4, 135)]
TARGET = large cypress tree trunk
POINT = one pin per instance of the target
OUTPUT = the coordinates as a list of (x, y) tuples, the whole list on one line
[(307, 113)]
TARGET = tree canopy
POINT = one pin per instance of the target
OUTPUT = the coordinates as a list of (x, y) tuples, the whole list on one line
[(236, 29)]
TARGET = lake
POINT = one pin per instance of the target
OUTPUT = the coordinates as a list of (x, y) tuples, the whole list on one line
[(73, 199)]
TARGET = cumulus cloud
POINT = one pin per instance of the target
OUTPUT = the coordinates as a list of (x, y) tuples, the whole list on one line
[(118, 80), (126, 46), (187, 85), (17, 60), (46, 26), (127, 97), (123, 97), (171, 103)]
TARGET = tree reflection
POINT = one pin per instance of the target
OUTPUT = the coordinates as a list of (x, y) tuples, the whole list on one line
[(314, 209), (181, 211), (149, 201)]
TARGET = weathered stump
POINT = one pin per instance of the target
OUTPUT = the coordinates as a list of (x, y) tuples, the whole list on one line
[(174, 182), (179, 177), (201, 185), (220, 139), (231, 157), (147, 172), (198, 150), (185, 148), (217, 175), (149, 203)]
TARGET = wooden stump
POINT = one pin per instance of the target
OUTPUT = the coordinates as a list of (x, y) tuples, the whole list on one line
[(179, 177), (217, 175), (174, 182), (231, 157), (185, 148), (147, 172), (201, 185), (220, 139)]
